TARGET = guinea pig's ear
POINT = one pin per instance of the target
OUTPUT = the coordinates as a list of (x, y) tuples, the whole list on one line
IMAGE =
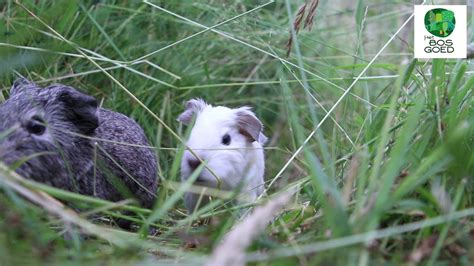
[(21, 83), (249, 125), (192, 107), (80, 109)]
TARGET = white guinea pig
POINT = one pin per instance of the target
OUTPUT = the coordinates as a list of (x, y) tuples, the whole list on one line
[(230, 141)]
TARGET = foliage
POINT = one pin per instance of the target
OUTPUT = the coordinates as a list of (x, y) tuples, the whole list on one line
[(378, 146)]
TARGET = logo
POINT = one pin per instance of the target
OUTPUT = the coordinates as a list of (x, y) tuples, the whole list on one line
[(440, 22), (440, 31)]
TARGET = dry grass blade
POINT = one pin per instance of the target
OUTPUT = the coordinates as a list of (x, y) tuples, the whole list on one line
[(423, 250), (232, 249), (299, 18), (308, 23), (351, 177), (296, 27)]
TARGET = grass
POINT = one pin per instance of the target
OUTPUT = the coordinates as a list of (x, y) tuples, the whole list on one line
[(376, 146)]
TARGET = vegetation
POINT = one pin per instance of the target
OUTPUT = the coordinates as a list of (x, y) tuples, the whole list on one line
[(376, 146)]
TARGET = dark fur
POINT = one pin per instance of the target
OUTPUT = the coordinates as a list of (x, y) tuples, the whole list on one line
[(69, 159)]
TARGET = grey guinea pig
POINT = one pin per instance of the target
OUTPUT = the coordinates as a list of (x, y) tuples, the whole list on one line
[(46, 126)]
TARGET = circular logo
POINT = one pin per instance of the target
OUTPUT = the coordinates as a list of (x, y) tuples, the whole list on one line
[(440, 22)]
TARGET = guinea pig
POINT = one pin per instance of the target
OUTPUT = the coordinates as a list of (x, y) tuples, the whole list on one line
[(230, 141), (59, 136)]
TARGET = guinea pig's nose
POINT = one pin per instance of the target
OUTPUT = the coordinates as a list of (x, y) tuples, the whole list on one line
[(193, 163)]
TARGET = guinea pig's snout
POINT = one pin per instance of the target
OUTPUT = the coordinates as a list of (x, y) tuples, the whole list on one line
[(193, 163)]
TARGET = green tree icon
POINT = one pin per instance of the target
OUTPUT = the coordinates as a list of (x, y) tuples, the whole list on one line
[(440, 22)]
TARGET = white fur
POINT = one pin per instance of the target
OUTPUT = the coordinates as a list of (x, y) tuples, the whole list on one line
[(239, 165)]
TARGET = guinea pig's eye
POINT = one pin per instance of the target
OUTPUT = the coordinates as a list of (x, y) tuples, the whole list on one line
[(226, 139), (36, 125)]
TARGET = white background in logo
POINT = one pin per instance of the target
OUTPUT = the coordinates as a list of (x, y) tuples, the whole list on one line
[(423, 37)]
